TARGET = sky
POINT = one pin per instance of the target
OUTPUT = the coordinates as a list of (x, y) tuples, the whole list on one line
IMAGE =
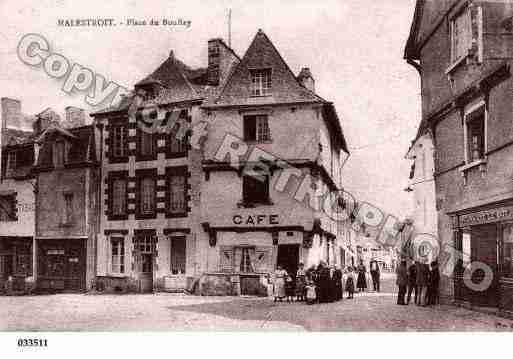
[(354, 49)]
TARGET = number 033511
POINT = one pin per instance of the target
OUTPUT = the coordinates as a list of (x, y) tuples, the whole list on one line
[(32, 342)]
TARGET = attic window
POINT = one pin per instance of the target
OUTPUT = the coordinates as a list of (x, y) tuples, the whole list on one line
[(261, 82)]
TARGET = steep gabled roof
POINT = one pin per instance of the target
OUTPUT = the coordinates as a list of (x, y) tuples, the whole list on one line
[(285, 86), (411, 51)]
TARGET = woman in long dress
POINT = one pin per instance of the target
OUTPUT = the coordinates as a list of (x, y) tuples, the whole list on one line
[(279, 283), (300, 283), (361, 282)]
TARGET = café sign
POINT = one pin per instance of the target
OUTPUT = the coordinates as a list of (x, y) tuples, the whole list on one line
[(256, 219), (488, 216)]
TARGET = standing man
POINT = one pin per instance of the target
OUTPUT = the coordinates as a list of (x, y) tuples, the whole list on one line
[(422, 282), (402, 281), (412, 283), (375, 273)]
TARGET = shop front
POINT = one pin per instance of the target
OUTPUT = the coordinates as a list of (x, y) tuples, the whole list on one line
[(15, 263), (483, 275), (61, 265)]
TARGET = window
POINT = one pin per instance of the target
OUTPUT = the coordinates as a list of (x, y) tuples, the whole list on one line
[(178, 255), (119, 197), (246, 265), (144, 243), (68, 207), (255, 189), (118, 141), (177, 144), (58, 154), (256, 128), (507, 251), (11, 163), (177, 191), (261, 82), (147, 196), (7, 208), (146, 143), (461, 36), (118, 254), (475, 134)]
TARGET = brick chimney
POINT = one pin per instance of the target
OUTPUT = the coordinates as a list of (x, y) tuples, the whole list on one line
[(214, 61), (75, 117), (11, 113), (306, 79)]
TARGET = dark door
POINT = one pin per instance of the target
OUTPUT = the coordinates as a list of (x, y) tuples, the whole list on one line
[(146, 272), (484, 247), (288, 258)]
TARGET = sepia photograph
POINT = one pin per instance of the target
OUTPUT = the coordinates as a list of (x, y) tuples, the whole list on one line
[(255, 166)]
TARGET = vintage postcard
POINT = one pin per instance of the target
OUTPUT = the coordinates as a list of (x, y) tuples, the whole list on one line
[(171, 166)]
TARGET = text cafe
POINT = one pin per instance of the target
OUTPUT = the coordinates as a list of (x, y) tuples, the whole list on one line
[(249, 250), (485, 238)]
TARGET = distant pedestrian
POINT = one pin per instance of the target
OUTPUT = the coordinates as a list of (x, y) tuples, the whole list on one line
[(375, 274), (311, 295), (350, 280), (279, 283), (300, 282), (337, 283), (402, 282), (323, 283), (361, 283), (434, 283), (412, 283)]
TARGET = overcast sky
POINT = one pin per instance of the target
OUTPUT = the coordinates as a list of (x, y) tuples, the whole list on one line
[(354, 49)]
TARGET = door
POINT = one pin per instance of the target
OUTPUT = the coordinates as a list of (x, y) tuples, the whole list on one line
[(146, 272), (288, 258), (483, 248)]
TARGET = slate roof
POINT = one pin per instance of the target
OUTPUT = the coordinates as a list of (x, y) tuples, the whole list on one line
[(285, 85)]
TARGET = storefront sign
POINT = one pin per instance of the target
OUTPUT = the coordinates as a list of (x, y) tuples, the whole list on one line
[(488, 216), (255, 220)]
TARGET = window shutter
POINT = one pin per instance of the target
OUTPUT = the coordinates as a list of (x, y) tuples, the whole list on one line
[(226, 259), (262, 261)]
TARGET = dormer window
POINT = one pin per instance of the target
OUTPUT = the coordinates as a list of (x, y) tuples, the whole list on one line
[(261, 82)]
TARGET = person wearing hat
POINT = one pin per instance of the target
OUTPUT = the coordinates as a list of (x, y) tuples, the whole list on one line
[(402, 282)]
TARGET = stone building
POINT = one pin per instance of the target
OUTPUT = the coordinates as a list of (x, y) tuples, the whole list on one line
[(67, 197), (16, 198), (183, 209), (463, 52)]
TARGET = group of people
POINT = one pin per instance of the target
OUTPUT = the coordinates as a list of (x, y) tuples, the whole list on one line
[(420, 279), (322, 283)]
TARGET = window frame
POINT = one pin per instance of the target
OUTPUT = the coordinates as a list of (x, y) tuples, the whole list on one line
[(172, 267), (171, 172), (261, 88), (469, 112), (113, 155), (111, 177), (257, 119), (10, 217), (120, 267), (142, 214), (68, 198), (259, 199), (171, 139), (59, 153), (141, 135), (11, 162)]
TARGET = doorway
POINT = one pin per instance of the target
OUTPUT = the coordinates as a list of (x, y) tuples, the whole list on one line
[(483, 248), (288, 258), (146, 272), (144, 247)]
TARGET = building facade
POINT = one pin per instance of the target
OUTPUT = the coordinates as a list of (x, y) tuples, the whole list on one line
[(17, 200), (463, 52), (183, 210)]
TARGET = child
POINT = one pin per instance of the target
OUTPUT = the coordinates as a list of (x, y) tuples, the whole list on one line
[(290, 289), (300, 283), (350, 283), (311, 297)]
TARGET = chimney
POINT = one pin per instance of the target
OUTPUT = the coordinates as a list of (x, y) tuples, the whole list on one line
[(214, 61), (75, 117), (11, 113), (45, 120), (306, 79)]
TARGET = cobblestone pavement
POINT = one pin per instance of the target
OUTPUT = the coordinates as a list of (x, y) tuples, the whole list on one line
[(366, 312)]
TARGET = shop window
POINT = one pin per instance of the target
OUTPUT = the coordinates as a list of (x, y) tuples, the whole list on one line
[(147, 196), (255, 189), (246, 263), (118, 255), (119, 197), (177, 194), (261, 82), (68, 208), (475, 134), (7, 208), (118, 141), (507, 251), (178, 255), (256, 128)]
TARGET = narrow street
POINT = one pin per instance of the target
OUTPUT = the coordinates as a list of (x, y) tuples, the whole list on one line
[(163, 311)]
